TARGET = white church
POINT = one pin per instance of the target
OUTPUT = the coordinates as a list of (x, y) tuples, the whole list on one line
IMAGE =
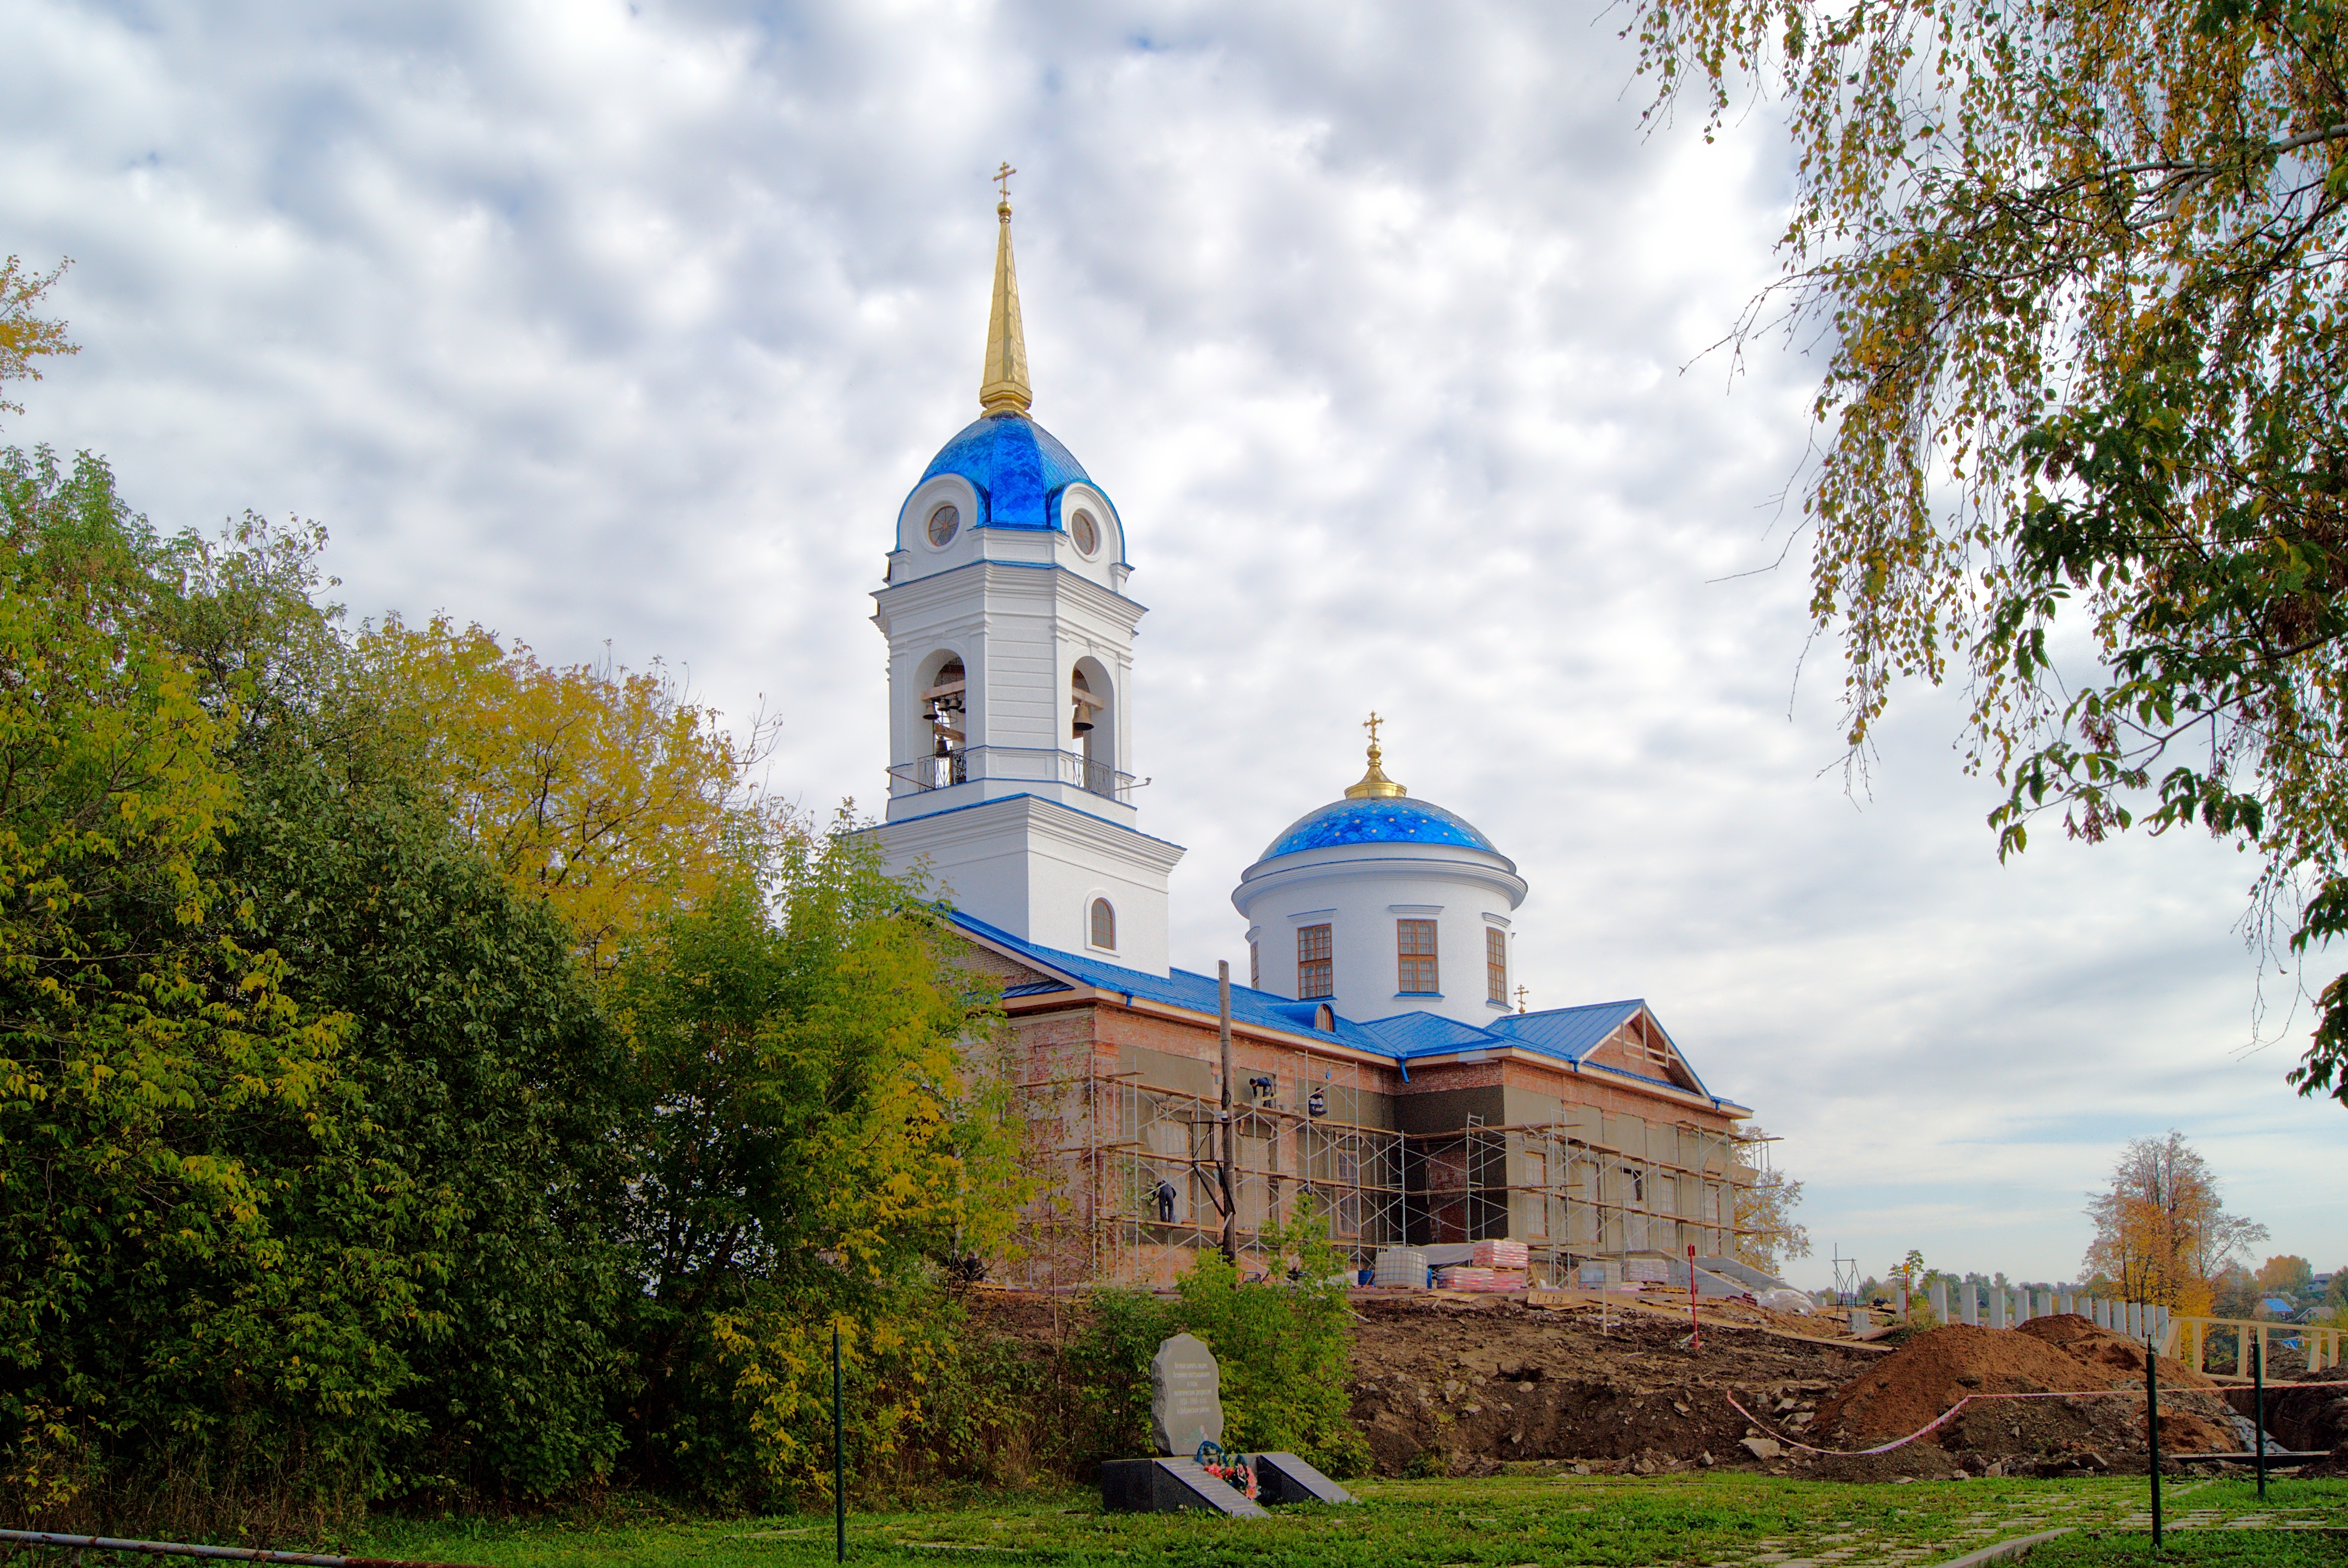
[(1385, 1070)]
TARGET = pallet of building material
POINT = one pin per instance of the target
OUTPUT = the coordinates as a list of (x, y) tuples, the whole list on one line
[(1503, 1255), (1400, 1266), (1170, 1485), (1467, 1276)]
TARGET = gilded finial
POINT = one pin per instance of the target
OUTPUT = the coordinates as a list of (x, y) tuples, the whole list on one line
[(1521, 995), (1375, 784), (1003, 389)]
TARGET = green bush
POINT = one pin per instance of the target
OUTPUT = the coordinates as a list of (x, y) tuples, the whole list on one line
[(1280, 1341)]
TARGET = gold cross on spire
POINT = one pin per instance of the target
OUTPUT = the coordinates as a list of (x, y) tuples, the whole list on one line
[(1003, 386), (1375, 784)]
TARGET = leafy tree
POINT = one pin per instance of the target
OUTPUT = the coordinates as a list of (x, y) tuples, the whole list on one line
[(828, 1131), (2161, 1229), (2286, 1275), (497, 1107), (325, 1129), (1765, 1199), (605, 792), (2078, 271), (161, 1089), (25, 337), (2234, 1292)]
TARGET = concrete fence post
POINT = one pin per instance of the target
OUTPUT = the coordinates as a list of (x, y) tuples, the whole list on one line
[(1940, 1301), (1969, 1304)]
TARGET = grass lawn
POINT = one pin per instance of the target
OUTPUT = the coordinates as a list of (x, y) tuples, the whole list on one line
[(1701, 1521)]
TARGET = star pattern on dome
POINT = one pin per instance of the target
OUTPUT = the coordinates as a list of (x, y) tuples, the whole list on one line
[(1391, 820)]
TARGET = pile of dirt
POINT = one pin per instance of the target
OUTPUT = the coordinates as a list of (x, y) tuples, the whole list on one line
[(1458, 1387), (1937, 1368)]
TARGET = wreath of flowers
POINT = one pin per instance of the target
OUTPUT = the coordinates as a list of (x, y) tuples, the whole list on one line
[(1233, 1468)]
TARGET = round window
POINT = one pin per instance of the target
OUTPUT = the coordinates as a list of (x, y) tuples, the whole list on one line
[(1086, 531), (943, 523)]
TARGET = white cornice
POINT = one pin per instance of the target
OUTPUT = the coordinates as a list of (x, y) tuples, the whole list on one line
[(918, 834), (1008, 581), (1256, 882)]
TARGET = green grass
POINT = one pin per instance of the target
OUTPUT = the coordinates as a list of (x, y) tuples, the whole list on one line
[(2202, 1548), (1506, 1520)]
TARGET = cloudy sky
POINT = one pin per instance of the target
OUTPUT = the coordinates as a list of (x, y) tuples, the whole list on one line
[(628, 327)]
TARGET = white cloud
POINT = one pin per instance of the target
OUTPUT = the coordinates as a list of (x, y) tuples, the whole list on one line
[(635, 323)]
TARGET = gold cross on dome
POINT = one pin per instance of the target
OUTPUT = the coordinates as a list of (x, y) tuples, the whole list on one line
[(1002, 178), (1371, 724), (1520, 998)]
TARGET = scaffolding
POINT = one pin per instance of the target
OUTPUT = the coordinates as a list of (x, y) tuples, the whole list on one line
[(1132, 1170)]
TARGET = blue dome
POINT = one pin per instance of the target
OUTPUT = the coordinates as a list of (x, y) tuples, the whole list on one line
[(1393, 819), (1017, 465)]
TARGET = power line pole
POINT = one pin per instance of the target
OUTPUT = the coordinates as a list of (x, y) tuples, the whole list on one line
[(1231, 1204)]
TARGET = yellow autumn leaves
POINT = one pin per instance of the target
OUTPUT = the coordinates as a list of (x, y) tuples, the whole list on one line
[(606, 793)]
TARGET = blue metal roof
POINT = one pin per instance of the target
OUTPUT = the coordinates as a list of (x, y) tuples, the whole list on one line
[(1570, 1032), (1394, 819), (1019, 468), (1566, 1031), (1180, 988)]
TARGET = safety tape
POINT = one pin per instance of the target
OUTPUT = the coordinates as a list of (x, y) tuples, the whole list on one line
[(1941, 1419)]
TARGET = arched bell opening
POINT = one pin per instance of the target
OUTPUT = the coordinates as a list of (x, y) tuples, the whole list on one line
[(945, 706), (1092, 725)]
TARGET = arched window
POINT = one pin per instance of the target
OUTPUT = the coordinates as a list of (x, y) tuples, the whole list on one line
[(1092, 724), (1104, 926), (945, 703)]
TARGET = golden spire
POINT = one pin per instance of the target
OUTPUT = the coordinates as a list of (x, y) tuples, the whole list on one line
[(1375, 784), (1003, 389)]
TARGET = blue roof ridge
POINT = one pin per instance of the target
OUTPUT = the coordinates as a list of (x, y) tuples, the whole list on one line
[(1401, 1037)]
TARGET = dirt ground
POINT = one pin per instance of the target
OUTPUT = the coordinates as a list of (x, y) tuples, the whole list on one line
[(1449, 1384), (1451, 1387)]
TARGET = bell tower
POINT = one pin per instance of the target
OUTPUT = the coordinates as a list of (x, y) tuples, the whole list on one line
[(1010, 671)]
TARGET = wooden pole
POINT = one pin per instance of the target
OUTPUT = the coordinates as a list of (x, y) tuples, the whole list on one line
[(1224, 1021)]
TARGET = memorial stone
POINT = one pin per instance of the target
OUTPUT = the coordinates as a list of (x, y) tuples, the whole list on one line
[(1186, 1402)]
